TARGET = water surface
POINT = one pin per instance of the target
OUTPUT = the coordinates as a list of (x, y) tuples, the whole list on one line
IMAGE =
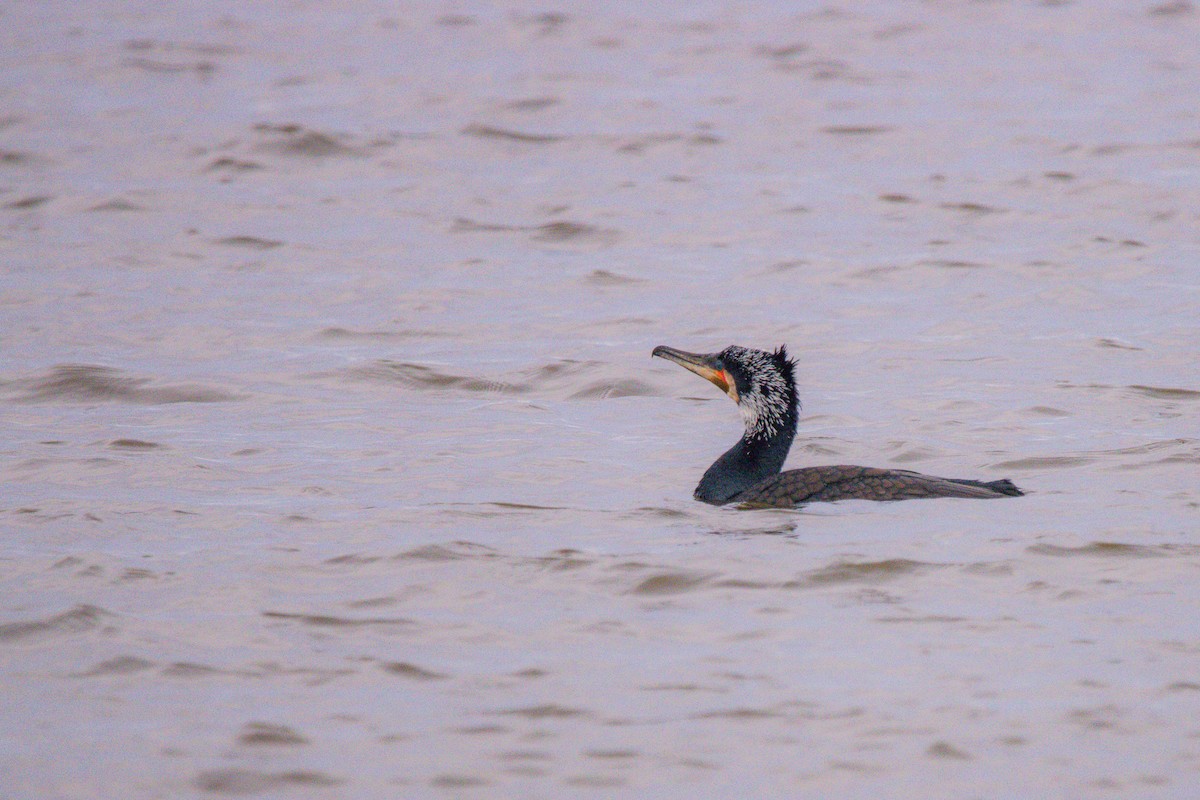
[(335, 463)]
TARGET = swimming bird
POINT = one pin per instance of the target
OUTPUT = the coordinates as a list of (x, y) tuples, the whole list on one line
[(764, 387)]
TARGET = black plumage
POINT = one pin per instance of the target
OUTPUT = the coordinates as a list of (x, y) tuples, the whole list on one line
[(764, 387)]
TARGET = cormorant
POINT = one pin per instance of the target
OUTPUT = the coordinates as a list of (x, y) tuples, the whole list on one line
[(764, 387)]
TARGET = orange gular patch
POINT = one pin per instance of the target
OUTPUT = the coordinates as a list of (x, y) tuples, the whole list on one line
[(730, 385), (723, 381)]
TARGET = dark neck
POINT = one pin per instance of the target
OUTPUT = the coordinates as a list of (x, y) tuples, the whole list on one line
[(753, 459)]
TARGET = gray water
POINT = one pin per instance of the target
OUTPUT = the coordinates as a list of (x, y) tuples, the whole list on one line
[(335, 463)]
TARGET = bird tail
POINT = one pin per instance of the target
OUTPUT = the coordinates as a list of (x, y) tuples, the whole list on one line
[(1003, 486)]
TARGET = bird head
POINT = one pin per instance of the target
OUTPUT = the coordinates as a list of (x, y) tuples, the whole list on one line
[(762, 383)]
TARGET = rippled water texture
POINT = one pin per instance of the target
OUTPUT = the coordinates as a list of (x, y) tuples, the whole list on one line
[(335, 463)]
